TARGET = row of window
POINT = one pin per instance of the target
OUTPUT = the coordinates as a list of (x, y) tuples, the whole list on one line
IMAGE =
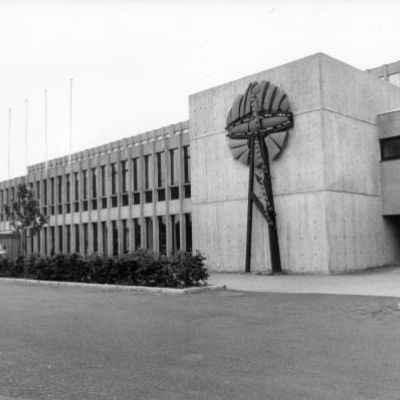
[(64, 244), (53, 187)]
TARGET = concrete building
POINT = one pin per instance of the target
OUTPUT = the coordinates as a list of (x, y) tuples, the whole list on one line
[(335, 185)]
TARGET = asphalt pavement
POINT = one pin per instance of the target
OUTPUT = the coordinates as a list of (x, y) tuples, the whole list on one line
[(70, 343)]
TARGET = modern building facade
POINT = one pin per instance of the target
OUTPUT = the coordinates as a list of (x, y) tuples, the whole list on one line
[(179, 188), (113, 199)]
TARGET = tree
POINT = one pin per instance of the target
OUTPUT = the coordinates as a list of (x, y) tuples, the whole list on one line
[(24, 213)]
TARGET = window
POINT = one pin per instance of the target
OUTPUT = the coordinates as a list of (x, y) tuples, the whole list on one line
[(390, 148), (394, 79), (162, 234), (77, 238), (186, 163), (94, 183), (147, 172), (114, 237), (68, 238), (95, 237), (52, 240), (76, 183), (37, 190), (60, 239), (149, 233), (51, 191), (135, 162), (104, 232), (45, 239), (176, 243), (85, 239), (59, 194), (68, 184), (138, 234), (59, 189), (124, 176), (45, 192), (113, 179), (160, 169), (173, 167), (85, 183), (103, 180), (125, 236), (188, 223)]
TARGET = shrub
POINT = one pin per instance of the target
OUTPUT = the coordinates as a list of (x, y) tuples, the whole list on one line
[(142, 267)]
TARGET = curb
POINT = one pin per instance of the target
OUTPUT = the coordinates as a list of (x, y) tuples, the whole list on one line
[(137, 289)]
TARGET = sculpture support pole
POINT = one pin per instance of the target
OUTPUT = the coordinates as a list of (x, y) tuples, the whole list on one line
[(250, 204), (272, 228)]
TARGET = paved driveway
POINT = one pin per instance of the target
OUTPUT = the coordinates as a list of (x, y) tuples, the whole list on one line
[(376, 282), (69, 343)]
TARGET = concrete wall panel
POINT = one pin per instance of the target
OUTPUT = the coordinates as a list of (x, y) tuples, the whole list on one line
[(355, 93), (299, 79), (359, 237), (351, 154), (390, 175)]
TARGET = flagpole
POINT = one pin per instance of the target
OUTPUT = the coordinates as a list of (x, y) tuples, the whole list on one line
[(9, 142), (45, 126), (26, 133), (70, 119)]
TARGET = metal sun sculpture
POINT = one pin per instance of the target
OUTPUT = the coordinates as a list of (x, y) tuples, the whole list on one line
[(258, 124)]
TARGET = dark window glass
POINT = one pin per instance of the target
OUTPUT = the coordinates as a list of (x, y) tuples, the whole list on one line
[(103, 180), (186, 163), (77, 237), (136, 198), (135, 174), (85, 183), (37, 190), (390, 148), (105, 237), (94, 183), (147, 172), (125, 238), (113, 178), (148, 196), (59, 189), (114, 201), (51, 191), (60, 239), (138, 233), (124, 176), (85, 239), (52, 240), (162, 234), (161, 194), (114, 237), (173, 167), (160, 169), (149, 233), (45, 192), (45, 240), (68, 184), (174, 192), (95, 237), (76, 183), (187, 190), (68, 239), (188, 222), (176, 244)]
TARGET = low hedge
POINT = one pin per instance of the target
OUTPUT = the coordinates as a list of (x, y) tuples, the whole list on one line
[(143, 267)]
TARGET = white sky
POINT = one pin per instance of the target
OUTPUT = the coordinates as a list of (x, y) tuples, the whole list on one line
[(134, 63)]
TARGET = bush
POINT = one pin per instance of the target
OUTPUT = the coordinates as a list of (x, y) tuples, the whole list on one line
[(143, 267)]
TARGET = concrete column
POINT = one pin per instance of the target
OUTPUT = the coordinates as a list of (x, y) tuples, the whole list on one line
[(142, 199), (181, 177), (167, 190), (130, 190), (156, 246)]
